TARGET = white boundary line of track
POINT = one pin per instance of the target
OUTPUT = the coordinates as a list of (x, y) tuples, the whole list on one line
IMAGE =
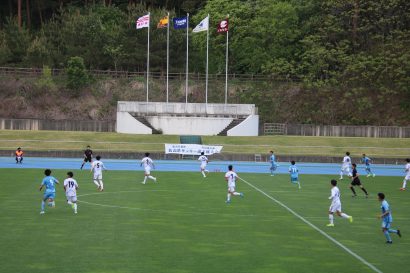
[(375, 269)]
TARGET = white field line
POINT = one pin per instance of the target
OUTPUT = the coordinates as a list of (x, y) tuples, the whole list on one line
[(234, 145), (375, 269)]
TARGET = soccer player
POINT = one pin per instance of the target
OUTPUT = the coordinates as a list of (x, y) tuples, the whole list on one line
[(366, 160), (347, 161), (50, 191), (19, 155), (70, 188), (230, 177), (97, 167), (204, 162), (407, 177), (273, 165), (294, 173), (356, 182), (336, 205), (88, 156), (148, 165), (387, 219)]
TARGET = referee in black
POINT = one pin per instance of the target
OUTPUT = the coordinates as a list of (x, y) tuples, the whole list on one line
[(88, 156), (356, 182)]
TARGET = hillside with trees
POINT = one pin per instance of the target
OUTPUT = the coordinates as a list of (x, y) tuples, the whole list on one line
[(325, 62)]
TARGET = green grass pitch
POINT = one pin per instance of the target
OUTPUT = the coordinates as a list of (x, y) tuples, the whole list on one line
[(182, 224)]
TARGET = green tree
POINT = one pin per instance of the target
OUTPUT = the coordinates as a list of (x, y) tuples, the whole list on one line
[(77, 76)]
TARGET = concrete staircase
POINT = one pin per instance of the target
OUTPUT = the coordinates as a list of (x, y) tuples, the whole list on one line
[(144, 121), (234, 122)]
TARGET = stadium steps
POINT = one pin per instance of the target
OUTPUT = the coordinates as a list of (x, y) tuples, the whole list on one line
[(234, 122), (144, 121)]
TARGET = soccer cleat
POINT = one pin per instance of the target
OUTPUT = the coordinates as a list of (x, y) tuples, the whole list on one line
[(241, 194), (368, 175), (330, 225), (228, 201), (399, 233), (42, 212), (354, 195), (374, 175), (367, 196), (389, 242), (272, 175), (351, 219), (143, 183), (402, 189), (341, 178), (75, 212)]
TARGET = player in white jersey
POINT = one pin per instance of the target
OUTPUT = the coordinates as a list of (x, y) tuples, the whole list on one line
[(336, 205), (346, 166), (148, 165), (97, 167), (407, 177), (204, 162), (70, 188), (230, 177)]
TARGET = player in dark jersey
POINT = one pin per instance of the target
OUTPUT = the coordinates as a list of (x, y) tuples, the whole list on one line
[(88, 156), (356, 182)]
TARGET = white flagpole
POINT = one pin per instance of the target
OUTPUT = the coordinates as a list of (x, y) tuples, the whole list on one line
[(226, 65), (149, 15), (207, 53), (187, 63), (168, 57)]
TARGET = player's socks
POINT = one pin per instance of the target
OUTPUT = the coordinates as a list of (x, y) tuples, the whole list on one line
[(399, 233), (152, 178), (53, 204), (331, 219), (203, 173), (96, 183), (75, 207), (101, 185), (387, 235), (82, 165), (345, 216), (392, 231), (228, 198), (353, 190), (43, 204), (299, 185), (404, 184), (364, 190)]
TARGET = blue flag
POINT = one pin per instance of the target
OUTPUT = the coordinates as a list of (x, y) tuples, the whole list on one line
[(180, 23)]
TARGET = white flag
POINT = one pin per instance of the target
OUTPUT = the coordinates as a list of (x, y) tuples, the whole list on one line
[(203, 26), (143, 22)]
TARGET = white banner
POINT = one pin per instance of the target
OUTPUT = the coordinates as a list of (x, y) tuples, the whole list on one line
[(192, 149)]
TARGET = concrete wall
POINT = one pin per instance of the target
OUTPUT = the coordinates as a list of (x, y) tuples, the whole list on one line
[(248, 127), (127, 124), (206, 126)]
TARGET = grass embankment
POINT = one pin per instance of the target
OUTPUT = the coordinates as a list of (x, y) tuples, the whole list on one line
[(283, 145)]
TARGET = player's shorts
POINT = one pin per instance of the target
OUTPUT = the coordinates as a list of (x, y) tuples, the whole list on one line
[(356, 182), (97, 176), (273, 166), (386, 224), (294, 180), (203, 166), (147, 170), (346, 170), (49, 195), (335, 207), (231, 189), (367, 168), (88, 159), (407, 177), (71, 198)]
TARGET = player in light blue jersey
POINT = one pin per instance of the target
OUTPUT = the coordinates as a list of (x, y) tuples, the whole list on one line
[(387, 219), (273, 164), (294, 173), (50, 190), (366, 161)]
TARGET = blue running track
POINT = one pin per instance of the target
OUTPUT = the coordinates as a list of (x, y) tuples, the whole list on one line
[(193, 166)]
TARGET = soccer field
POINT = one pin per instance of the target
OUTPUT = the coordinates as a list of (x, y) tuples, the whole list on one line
[(182, 224)]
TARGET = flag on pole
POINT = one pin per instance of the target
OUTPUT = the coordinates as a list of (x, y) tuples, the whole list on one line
[(202, 26), (180, 23), (142, 22), (163, 22), (223, 26)]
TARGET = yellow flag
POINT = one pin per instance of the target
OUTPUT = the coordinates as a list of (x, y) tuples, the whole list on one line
[(163, 22)]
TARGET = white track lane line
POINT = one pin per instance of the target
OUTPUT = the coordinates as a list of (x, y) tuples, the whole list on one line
[(375, 269)]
